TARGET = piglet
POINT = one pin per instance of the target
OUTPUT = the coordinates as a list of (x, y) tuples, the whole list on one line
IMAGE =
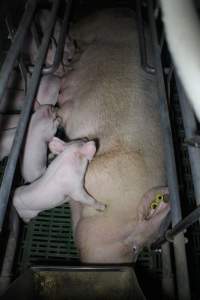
[(48, 90), (6, 141), (42, 128), (12, 100), (69, 45), (62, 181), (8, 125)]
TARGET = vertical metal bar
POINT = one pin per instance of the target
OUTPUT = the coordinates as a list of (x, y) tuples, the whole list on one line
[(167, 275), (168, 289), (6, 270), (179, 245), (143, 51), (35, 34), (190, 126), (24, 117), (16, 45)]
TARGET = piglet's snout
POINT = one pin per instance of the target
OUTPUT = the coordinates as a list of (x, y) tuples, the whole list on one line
[(57, 117), (88, 150)]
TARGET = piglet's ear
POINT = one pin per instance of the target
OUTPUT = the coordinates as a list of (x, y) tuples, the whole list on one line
[(88, 150), (57, 146), (36, 105)]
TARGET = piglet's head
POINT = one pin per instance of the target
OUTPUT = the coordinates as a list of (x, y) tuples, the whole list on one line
[(80, 147)]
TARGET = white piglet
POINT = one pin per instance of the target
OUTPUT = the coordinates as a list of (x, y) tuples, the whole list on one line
[(43, 126), (62, 181), (48, 90)]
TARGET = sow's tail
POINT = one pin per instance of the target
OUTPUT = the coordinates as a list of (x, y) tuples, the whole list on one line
[(182, 29)]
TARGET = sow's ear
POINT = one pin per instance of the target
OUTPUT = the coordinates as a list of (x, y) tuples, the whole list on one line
[(88, 150), (155, 207), (155, 201), (151, 214), (56, 145)]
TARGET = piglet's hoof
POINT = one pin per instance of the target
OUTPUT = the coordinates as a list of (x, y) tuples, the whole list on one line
[(100, 206)]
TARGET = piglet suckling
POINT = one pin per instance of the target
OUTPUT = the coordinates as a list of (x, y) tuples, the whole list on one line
[(43, 126), (48, 90), (62, 181)]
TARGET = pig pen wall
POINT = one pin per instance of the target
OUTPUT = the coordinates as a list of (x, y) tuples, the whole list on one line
[(48, 238)]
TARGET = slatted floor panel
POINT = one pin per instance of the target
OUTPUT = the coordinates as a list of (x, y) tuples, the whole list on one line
[(48, 238)]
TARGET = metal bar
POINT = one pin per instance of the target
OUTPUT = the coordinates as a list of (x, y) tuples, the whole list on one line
[(168, 289), (179, 245), (35, 34), (16, 45), (190, 126), (179, 227), (61, 41), (84, 267), (21, 64), (24, 117), (143, 50), (6, 270)]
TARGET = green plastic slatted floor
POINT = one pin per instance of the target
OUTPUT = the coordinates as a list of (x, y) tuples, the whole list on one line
[(48, 238)]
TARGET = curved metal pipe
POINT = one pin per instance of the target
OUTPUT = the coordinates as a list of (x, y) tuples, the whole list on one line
[(61, 42), (16, 44)]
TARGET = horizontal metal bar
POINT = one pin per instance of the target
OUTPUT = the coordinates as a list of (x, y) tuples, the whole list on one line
[(24, 117), (84, 267), (170, 166), (61, 42), (16, 45)]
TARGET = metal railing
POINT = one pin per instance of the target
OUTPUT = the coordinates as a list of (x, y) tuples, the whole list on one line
[(10, 61), (179, 224)]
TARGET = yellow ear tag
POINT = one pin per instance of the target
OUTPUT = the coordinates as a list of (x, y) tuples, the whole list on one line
[(155, 203)]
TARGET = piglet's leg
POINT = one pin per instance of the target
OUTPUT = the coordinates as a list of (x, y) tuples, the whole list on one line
[(83, 197), (76, 211)]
